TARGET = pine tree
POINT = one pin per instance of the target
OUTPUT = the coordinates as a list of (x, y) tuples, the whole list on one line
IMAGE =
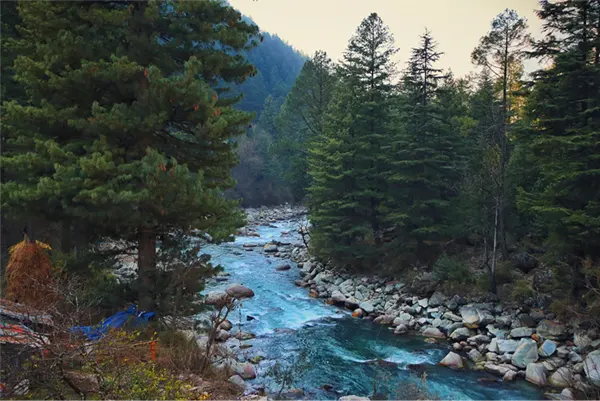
[(501, 52), (350, 164), (128, 125), (564, 137), (301, 120), (427, 166)]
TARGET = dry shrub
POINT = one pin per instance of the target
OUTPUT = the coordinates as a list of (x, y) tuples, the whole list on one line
[(29, 278), (180, 353)]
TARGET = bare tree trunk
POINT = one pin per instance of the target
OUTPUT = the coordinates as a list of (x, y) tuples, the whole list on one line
[(146, 267), (494, 248)]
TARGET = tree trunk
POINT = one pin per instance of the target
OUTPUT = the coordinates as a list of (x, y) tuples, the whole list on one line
[(494, 248), (146, 267)]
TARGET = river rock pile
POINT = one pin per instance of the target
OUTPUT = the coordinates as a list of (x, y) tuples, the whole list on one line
[(265, 216), (505, 340)]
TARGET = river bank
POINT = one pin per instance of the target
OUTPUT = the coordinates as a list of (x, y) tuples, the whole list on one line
[(317, 351), (509, 341)]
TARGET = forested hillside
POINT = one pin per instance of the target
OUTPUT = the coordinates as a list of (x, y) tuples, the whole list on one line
[(488, 173)]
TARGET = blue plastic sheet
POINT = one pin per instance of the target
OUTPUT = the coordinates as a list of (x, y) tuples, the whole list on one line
[(131, 315)]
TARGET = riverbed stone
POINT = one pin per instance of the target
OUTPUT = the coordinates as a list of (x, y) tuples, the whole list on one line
[(552, 330), (509, 376), (496, 332), (358, 312), (591, 367), (437, 299), (451, 316), (367, 307), (499, 369), (401, 329), (433, 332), (351, 303), (479, 339), (525, 353), (384, 319), (521, 332), (493, 345), (475, 356), (237, 380), (353, 398), (337, 297), (574, 357), (581, 338), (239, 291), (562, 377), (462, 334), (506, 346), (536, 373), (453, 361), (270, 248), (547, 348), (470, 317)]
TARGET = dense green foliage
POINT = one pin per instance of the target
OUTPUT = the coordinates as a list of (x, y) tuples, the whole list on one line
[(433, 165), (127, 124)]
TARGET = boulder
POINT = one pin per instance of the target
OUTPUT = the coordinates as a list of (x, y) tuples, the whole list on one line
[(499, 370), (479, 339), (521, 332), (244, 335), (493, 346), (470, 317), (553, 363), (525, 353), (451, 316), (217, 298), (524, 261), (222, 336), (226, 325), (384, 319), (507, 346), (437, 299), (551, 330), (453, 361), (536, 373), (547, 348), (351, 303), (337, 297), (367, 307), (283, 267), (498, 333), (237, 380), (475, 356), (401, 329), (270, 248), (562, 378), (239, 291), (591, 367), (504, 321), (574, 357), (524, 320), (423, 303), (462, 334), (433, 332)]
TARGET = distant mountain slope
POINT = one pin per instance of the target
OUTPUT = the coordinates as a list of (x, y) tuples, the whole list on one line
[(278, 66)]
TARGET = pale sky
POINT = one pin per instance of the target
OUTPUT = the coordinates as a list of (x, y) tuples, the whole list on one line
[(456, 25)]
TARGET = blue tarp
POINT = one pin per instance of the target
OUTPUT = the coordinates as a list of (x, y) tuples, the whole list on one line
[(132, 315)]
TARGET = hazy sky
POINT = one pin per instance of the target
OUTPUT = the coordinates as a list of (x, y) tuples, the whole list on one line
[(457, 25)]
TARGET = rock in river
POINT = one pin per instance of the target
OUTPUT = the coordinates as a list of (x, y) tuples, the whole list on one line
[(239, 291), (591, 366), (453, 361), (433, 332), (536, 374)]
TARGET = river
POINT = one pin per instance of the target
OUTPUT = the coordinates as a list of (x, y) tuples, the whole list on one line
[(326, 351)]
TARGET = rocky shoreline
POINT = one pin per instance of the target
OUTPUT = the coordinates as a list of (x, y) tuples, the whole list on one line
[(508, 341)]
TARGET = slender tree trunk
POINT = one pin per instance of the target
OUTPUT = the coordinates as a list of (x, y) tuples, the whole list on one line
[(503, 155), (146, 267), (494, 248)]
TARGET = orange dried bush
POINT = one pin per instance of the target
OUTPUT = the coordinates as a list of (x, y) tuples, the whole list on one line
[(29, 278)]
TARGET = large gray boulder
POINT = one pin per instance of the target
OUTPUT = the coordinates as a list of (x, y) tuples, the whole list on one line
[(551, 330), (591, 367), (433, 332), (453, 361), (536, 373), (239, 291), (562, 377), (353, 398), (525, 353), (499, 370), (367, 307), (521, 332), (237, 380), (470, 317), (337, 297), (437, 299), (462, 334), (384, 319), (217, 298), (475, 356), (507, 346)]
